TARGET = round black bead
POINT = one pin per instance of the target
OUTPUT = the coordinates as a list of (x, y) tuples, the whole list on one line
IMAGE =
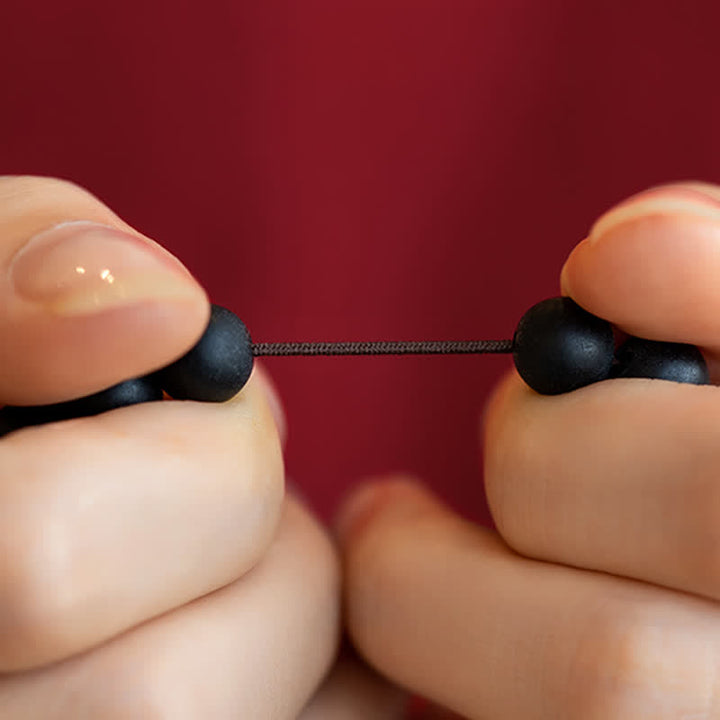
[(640, 358), (129, 392), (217, 367), (559, 347)]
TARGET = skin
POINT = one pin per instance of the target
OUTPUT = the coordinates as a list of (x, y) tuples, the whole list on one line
[(147, 554), (596, 596)]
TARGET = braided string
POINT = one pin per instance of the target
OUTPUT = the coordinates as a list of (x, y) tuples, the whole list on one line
[(422, 347)]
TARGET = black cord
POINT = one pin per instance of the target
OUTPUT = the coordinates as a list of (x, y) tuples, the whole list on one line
[(422, 347)]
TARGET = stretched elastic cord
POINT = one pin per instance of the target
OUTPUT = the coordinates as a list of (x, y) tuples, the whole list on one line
[(439, 347)]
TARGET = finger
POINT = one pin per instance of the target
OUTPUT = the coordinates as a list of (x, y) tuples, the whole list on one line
[(257, 648), (353, 691), (110, 520), (446, 609), (619, 477), (273, 399), (651, 264), (85, 300)]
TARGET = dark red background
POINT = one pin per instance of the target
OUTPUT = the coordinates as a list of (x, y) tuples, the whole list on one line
[(346, 169)]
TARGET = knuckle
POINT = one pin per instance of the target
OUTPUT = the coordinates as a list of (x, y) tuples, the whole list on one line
[(700, 568), (264, 462), (130, 687), (272, 399), (635, 663), (515, 464), (247, 483), (37, 592), (159, 673), (321, 567)]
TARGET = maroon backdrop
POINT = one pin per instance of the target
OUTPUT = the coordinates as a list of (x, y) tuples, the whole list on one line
[(365, 170)]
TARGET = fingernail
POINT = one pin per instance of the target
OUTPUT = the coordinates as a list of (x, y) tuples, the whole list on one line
[(79, 267), (292, 488), (357, 509), (405, 494), (665, 200)]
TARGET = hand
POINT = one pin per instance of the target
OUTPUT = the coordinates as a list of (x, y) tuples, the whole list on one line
[(597, 597), (149, 564)]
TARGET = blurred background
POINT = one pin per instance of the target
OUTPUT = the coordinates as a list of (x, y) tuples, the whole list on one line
[(365, 170)]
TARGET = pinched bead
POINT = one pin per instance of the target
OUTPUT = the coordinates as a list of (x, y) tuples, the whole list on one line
[(217, 367), (640, 358), (559, 347), (129, 392)]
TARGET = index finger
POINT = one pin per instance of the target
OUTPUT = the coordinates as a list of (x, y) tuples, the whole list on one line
[(110, 520)]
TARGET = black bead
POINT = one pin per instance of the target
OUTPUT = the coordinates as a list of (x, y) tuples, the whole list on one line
[(129, 392), (640, 358), (559, 347), (217, 367)]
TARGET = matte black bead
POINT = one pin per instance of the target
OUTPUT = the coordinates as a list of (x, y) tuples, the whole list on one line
[(217, 367), (129, 392), (640, 358), (559, 347)]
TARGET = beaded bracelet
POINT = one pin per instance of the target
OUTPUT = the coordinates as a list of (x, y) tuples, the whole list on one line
[(558, 347)]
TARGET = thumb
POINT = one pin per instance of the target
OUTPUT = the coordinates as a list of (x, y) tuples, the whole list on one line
[(651, 264), (85, 300)]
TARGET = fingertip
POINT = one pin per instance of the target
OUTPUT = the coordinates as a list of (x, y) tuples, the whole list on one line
[(87, 301), (650, 265), (392, 499)]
